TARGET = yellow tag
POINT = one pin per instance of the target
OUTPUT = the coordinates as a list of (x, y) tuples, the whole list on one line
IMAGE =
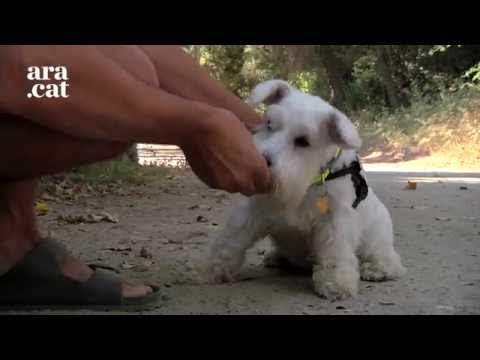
[(322, 205)]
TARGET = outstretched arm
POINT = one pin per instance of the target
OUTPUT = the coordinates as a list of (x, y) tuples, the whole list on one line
[(106, 102)]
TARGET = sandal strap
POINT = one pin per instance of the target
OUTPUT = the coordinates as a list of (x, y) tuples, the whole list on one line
[(38, 280)]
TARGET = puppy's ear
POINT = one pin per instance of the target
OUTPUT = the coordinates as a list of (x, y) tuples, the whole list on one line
[(342, 131), (269, 92)]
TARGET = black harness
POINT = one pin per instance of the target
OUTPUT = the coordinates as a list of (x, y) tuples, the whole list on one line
[(359, 182)]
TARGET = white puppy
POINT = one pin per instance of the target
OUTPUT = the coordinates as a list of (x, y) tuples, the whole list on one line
[(334, 224)]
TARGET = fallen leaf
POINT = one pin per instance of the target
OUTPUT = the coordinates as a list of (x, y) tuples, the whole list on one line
[(195, 234), (418, 207), (92, 219), (41, 209), (47, 197), (143, 267), (126, 266), (102, 216), (71, 219), (119, 248), (213, 226), (386, 303), (145, 253), (411, 185), (147, 263), (104, 266), (193, 207), (202, 219), (109, 217), (173, 241)]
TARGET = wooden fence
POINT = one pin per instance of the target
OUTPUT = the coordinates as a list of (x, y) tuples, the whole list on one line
[(161, 155)]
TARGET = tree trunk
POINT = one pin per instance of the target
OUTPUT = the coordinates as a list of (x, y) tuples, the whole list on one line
[(335, 72), (395, 99)]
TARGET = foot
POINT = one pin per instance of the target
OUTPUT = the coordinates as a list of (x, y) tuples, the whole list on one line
[(79, 271), (49, 276)]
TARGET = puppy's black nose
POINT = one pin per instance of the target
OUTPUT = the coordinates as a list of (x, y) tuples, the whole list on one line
[(267, 158)]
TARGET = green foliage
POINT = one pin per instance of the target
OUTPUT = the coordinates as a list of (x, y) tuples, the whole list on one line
[(118, 170), (226, 64), (450, 110), (472, 75), (416, 70)]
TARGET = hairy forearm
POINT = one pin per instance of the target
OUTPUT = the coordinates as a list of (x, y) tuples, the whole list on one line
[(105, 102)]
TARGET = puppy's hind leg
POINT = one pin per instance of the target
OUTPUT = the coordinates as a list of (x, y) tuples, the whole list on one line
[(379, 260), (227, 254)]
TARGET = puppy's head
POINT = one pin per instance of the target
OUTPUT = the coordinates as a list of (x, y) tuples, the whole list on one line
[(300, 134)]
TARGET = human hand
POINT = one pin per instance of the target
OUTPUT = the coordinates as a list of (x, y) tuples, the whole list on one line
[(225, 157)]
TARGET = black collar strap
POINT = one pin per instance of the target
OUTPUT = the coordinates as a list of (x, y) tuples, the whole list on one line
[(359, 182)]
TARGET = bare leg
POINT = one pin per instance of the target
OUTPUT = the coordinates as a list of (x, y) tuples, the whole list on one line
[(19, 233), (42, 151), (29, 150)]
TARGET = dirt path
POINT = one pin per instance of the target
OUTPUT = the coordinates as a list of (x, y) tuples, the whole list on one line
[(443, 256)]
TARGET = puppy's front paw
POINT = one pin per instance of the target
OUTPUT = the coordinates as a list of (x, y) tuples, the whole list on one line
[(220, 269), (371, 271), (223, 272), (335, 283)]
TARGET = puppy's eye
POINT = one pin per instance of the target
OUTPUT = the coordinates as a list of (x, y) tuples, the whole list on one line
[(301, 141)]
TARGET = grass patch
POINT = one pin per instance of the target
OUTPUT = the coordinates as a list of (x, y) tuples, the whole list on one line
[(118, 170), (450, 122)]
